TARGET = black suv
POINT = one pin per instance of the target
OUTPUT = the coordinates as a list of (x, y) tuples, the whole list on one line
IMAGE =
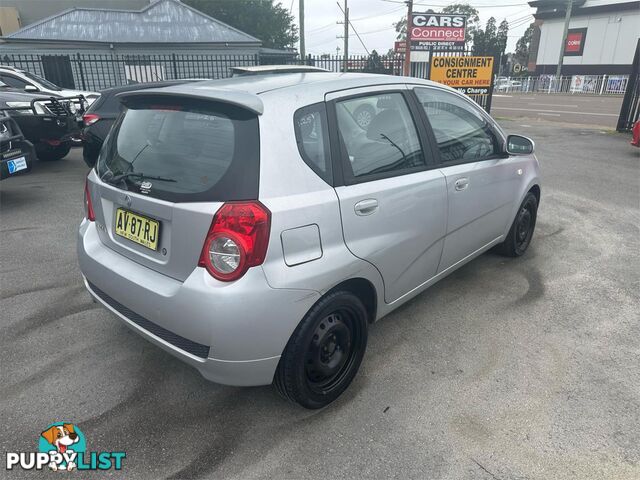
[(103, 113), (49, 122)]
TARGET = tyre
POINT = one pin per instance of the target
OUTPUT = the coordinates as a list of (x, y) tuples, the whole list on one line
[(521, 231), (48, 153), (363, 115), (325, 351)]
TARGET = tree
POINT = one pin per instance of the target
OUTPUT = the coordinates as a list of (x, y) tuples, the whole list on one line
[(273, 24), (374, 64), (522, 46), (472, 17), (492, 41)]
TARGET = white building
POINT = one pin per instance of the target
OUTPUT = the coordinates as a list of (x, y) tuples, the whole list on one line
[(602, 37)]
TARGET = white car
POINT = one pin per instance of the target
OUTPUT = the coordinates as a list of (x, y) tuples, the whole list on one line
[(253, 228), (27, 81)]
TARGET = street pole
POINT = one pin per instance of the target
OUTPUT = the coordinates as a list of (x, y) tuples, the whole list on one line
[(567, 19), (407, 47), (303, 53), (345, 50)]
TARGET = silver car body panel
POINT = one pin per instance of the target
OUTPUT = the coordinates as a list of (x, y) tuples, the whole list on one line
[(423, 230)]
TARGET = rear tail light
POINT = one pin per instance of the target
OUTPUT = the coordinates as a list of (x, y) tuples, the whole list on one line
[(238, 239), (88, 206), (90, 118)]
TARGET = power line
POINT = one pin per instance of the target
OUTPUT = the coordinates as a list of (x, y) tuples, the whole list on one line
[(354, 30), (393, 10), (447, 4)]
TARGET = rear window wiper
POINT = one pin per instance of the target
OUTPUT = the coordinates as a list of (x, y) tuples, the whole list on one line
[(117, 178)]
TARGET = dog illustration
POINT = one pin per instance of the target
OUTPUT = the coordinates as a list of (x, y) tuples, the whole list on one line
[(61, 437)]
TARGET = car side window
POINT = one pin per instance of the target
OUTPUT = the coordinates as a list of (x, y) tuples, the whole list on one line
[(13, 81), (461, 131), (312, 137), (384, 144)]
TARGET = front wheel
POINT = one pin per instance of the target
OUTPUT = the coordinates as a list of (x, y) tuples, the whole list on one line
[(49, 153), (325, 351), (521, 231)]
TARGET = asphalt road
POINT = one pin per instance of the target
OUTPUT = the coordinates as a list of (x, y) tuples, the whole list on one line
[(507, 369), (595, 110)]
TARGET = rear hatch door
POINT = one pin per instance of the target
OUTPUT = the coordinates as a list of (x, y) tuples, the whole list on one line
[(167, 166)]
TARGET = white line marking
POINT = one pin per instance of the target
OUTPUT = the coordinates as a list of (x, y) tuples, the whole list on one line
[(553, 105), (550, 114), (556, 111)]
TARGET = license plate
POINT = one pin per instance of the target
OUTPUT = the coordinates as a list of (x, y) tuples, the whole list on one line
[(16, 165), (137, 228)]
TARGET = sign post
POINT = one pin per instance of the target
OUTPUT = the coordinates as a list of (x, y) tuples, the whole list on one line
[(407, 50)]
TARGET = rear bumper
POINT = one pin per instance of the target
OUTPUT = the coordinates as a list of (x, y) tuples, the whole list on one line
[(233, 333)]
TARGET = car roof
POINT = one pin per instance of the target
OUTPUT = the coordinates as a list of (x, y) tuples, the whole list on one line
[(245, 91)]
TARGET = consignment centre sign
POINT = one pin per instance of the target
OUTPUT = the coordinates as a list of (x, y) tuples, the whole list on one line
[(470, 75)]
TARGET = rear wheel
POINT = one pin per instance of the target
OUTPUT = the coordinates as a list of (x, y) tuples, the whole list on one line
[(50, 153), (324, 353), (521, 231)]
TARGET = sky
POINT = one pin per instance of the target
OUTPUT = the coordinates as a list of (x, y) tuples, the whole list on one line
[(373, 20)]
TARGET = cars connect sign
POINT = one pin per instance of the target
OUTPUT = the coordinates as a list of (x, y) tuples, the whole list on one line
[(441, 32)]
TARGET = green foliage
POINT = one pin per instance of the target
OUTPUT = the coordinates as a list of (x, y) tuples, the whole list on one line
[(492, 41), (273, 24), (374, 64), (472, 17), (522, 47)]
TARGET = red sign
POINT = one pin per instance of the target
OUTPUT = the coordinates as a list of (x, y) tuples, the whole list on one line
[(575, 42), (437, 31), (400, 46)]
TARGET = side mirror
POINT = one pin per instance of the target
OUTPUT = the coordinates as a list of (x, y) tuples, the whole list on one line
[(30, 88), (519, 145)]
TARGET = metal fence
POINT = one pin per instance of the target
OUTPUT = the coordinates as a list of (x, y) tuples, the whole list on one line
[(99, 71), (630, 109), (385, 64), (573, 84), (88, 71)]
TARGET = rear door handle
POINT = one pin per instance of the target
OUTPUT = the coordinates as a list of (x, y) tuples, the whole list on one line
[(461, 184), (366, 207)]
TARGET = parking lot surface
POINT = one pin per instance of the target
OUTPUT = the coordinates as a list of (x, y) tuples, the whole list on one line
[(522, 368), (595, 110)]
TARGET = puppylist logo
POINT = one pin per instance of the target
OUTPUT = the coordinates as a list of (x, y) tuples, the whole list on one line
[(62, 446)]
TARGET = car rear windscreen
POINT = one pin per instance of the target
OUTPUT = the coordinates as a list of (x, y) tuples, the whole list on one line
[(183, 150)]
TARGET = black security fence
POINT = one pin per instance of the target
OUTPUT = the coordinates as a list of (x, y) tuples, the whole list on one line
[(99, 71), (384, 64), (96, 71), (630, 110)]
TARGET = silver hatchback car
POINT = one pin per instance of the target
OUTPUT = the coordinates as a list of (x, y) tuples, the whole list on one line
[(253, 228)]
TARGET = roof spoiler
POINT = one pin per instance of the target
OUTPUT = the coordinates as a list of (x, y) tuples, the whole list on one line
[(238, 98)]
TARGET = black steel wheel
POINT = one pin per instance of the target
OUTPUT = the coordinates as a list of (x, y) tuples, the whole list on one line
[(521, 232), (324, 353)]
